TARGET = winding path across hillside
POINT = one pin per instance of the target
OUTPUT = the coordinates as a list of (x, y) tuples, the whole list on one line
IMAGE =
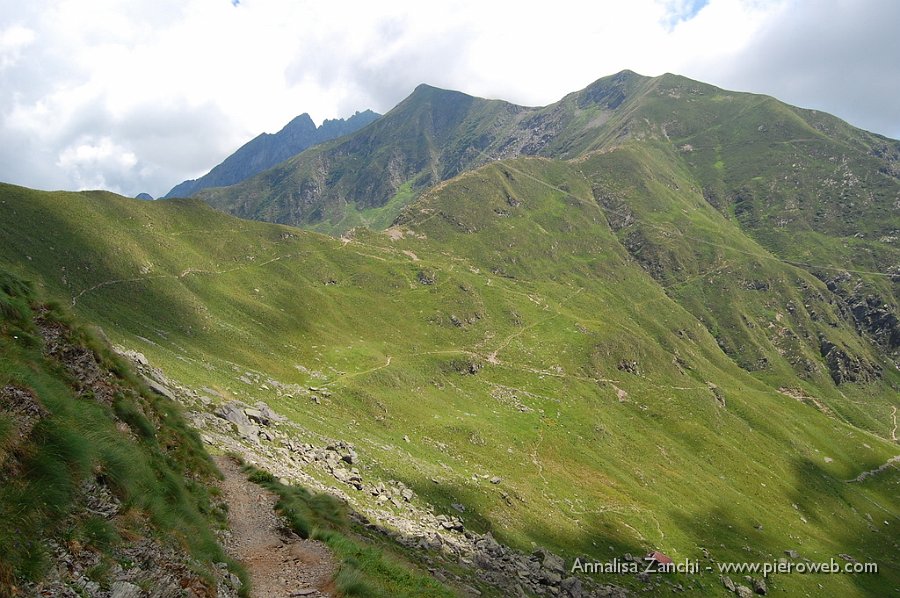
[(280, 564)]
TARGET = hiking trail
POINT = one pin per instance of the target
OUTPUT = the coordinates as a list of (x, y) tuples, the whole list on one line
[(280, 563)]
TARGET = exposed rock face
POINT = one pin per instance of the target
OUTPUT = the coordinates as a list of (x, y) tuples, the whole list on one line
[(846, 368), (80, 363), (150, 564), (873, 316), (618, 214)]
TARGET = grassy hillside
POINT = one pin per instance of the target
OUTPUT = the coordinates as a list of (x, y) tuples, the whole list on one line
[(95, 467), (773, 318), (807, 186), (503, 328)]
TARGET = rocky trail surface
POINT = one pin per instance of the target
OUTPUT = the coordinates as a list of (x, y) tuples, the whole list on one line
[(280, 563)]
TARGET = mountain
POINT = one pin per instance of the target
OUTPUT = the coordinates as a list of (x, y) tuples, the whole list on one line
[(655, 315), (144, 196), (584, 355), (267, 150), (803, 185), (435, 134), (367, 177)]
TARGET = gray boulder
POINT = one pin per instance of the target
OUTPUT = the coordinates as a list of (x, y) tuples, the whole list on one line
[(257, 416), (269, 413), (124, 589), (233, 412), (743, 592), (553, 562), (571, 586)]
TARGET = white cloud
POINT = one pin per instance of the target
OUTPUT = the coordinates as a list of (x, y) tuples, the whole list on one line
[(91, 161), (170, 87), (12, 40)]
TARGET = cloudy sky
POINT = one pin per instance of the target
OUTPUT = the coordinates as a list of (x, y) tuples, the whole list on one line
[(138, 95)]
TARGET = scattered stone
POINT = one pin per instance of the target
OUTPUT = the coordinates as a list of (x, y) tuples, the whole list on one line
[(759, 586), (233, 412), (495, 480), (743, 592), (792, 554), (629, 366), (550, 561), (269, 413), (729, 585), (159, 388), (350, 457), (257, 416), (572, 587), (124, 589)]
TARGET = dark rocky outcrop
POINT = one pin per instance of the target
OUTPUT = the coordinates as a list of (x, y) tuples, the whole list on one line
[(844, 367)]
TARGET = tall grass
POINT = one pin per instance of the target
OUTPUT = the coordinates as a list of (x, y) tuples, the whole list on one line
[(154, 475)]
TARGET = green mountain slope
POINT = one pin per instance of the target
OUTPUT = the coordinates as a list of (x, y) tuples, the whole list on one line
[(773, 318), (514, 324), (803, 185), (103, 482), (804, 168), (367, 177)]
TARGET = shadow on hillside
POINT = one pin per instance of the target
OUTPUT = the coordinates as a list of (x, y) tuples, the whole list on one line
[(92, 271), (821, 519), (598, 542)]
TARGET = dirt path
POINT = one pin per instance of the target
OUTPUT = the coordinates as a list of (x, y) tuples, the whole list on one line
[(894, 420), (280, 564)]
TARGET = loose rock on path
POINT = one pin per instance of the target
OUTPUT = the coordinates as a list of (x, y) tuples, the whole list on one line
[(280, 563)]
